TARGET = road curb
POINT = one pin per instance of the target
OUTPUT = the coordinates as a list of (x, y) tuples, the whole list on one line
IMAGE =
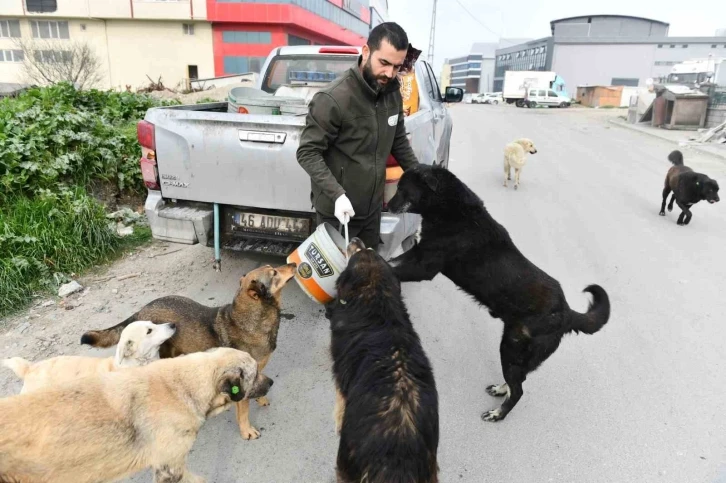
[(698, 148)]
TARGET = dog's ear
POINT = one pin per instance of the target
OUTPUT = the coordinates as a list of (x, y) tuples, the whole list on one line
[(127, 351), (431, 181), (257, 290), (233, 386)]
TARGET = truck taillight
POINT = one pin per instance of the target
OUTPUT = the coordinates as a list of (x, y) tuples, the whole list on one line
[(150, 173), (145, 134)]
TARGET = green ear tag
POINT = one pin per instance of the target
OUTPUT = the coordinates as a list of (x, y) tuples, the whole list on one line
[(235, 389)]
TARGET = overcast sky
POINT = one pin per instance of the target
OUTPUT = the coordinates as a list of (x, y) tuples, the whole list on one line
[(456, 30)]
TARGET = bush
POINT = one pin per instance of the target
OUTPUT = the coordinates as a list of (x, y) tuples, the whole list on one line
[(54, 143), (58, 135)]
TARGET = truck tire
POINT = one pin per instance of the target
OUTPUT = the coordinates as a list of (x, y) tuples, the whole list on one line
[(563, 104), (519, 103), (531, 104)]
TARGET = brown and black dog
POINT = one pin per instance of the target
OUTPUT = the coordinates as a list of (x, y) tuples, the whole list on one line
[(688, 188), (386, 408), (250, 323)]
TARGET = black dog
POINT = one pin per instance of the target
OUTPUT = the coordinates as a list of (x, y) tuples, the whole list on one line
[(688, 188), (386, 408), (461, 240)]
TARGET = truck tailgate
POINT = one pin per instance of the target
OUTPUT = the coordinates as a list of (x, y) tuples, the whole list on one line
[(227, 158)]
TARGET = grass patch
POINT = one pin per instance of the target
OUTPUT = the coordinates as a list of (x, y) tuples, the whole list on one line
[(55, 142)]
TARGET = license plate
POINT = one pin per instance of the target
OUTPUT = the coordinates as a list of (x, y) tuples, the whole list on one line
[(271, 225)]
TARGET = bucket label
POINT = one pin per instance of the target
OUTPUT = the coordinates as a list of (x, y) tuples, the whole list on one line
[(321, 265), (305, 270)]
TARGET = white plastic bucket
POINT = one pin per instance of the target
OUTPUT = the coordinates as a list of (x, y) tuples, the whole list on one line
[(320, 260)]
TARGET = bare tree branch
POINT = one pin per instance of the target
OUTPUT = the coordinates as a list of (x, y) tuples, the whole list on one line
[(52, 61)]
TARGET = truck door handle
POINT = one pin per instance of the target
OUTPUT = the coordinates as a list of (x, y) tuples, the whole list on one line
[(262, 137)]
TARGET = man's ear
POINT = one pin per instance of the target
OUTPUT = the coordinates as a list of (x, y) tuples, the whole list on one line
[(256, 290)]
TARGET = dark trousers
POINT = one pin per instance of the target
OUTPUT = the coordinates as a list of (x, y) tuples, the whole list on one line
[(367, 229)]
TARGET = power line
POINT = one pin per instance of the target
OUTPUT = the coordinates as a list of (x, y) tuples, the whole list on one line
[(476, 19)]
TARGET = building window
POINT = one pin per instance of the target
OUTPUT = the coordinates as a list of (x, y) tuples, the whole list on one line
[(620, 81), (11, 56), (53, 56), (193, 72), (244, 37), (660, 46), (684, 46), (673, 46), (714, 46), (41, 6), (10, 29), (242, 65), (49, 30), (188, 28), (295, 40)]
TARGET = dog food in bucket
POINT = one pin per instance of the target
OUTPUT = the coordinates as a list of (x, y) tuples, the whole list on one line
[(320, 260)]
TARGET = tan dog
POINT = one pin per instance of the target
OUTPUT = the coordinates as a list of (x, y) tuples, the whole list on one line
[(515, 156), (106, 427), (250, 323), (139, 345)]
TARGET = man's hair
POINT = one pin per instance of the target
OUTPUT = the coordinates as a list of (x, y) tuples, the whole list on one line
[(390, 31)]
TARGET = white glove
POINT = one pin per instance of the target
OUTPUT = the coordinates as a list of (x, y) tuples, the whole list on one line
[(343, 209)]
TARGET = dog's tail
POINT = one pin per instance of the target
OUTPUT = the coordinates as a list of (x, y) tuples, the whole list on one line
[(676, 158), (597, 314), (106, 337), (18, 365)]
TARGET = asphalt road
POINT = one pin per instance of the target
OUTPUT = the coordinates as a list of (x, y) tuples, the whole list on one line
[(641, 401)]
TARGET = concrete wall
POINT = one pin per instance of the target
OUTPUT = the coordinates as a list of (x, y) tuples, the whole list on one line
[(139, 9), (595, 26), (486, 81), (715, 116), (598, 64)]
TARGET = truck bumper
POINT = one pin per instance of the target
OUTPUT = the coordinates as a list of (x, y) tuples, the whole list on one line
[(194, 223)]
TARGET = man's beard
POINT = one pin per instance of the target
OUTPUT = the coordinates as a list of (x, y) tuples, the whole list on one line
[(372, 80)]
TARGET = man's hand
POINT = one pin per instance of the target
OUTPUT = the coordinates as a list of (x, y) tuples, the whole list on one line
[(343, 209)]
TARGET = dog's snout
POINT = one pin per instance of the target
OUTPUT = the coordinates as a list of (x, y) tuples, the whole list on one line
[(355, 245), (172, 326)]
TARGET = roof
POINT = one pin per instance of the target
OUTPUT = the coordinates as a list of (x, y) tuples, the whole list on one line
[(553, 22)]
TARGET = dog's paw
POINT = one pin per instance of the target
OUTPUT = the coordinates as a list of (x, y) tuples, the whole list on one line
[(516, 186), (249, 432), (680, 223), (670, 208), (492, 416), (263, 401), (497, 390), (662, 213)]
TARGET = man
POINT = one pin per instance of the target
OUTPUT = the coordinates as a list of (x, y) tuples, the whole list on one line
[(352, 126)]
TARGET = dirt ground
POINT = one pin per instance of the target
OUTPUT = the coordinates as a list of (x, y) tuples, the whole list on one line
[(53, 326)]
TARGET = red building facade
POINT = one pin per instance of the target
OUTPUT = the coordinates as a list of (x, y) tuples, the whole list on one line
[(245, 31)]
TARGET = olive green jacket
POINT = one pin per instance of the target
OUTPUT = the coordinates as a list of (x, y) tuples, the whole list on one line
[(349, 133)]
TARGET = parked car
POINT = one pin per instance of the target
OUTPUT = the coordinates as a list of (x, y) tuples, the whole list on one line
[(546, 97), (488, 98), (232, 178)]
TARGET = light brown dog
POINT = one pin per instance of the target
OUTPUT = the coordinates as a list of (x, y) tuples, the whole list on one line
[(250, 323), (515, 156), (108, 426), (139, 345)]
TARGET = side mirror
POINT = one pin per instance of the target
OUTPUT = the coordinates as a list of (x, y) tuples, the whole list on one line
[(453, 94)]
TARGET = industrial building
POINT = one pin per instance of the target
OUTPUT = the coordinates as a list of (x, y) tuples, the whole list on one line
[(177, 40), (609, 50)]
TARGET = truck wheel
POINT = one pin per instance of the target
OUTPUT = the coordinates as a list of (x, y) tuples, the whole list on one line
[(495, 102), (531, 104), (519, 103), (563, 104)]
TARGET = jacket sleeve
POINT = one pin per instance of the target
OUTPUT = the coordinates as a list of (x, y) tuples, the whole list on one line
[(401, 149), (321, 128)]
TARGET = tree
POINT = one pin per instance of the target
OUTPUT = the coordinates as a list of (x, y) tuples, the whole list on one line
[(53, 61)]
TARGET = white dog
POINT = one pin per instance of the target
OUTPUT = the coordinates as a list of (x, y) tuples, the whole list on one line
[(138, 345), (515, 156)]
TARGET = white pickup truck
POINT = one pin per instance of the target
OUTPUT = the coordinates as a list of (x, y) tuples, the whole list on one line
[(232, 180)]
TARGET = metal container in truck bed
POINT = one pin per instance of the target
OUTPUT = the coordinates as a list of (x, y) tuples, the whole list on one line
[(198, 158)]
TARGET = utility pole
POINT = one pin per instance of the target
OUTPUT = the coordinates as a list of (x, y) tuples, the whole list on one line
[(432, 35)]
